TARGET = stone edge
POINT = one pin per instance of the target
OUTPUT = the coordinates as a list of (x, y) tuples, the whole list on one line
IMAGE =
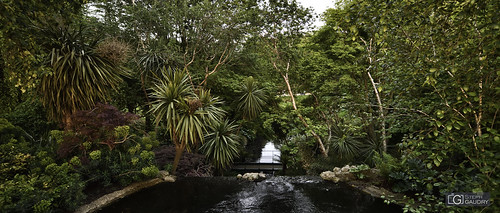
[(107, 199)]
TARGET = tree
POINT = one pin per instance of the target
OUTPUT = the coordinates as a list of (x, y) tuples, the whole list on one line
[(198, 36), (333, 68), (21, 55), (80, 76), (185, 113), (433, 69), (285, 24)]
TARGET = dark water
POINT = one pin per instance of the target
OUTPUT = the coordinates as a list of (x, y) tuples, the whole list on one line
[(276, 194)]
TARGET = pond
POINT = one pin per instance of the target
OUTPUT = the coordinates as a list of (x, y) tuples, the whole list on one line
[(275, 194)]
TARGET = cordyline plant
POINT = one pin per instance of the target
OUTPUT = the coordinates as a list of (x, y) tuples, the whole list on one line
[(79, 76), (185, 113)]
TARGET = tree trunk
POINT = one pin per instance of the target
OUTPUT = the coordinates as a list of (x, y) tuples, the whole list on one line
[(292, 98), (66, 120), (179, 149), (381, 109)]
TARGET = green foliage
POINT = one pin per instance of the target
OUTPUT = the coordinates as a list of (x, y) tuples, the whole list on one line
[(252, 99), (184, 113), (90, 129), (346, 142), (79, 77), (107, 147), (58, 187), (412, 176), (31, 117), (298, 156), (150, 171), (359, 170), (14, 150), (434, 66), (386, 163), (30, 180), (21, 55), (425, 188), (221, 144), (443, 120), (130, 160)]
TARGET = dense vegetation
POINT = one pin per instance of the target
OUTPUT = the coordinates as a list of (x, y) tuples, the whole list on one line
[(91, 91)]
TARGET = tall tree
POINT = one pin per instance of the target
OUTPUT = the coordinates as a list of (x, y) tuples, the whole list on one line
[(286, 22), (185, 113)]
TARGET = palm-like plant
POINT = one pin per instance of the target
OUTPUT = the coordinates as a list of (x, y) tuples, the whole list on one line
[(372, 143), (221, 144), (79, 77), (252, 99), (345, 143), (183, 112), (78, 81)]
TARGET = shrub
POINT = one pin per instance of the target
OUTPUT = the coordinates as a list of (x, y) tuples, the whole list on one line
[(31, 117), (359, 170), (413, 176), (386, 164), (14, 150), (30, 180), (111, 149), (123, 164)]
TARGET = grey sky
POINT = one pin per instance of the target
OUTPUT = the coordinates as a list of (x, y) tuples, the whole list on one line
[(319, 7)]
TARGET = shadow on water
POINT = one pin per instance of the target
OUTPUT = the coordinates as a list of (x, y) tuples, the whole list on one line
[(276, 194)]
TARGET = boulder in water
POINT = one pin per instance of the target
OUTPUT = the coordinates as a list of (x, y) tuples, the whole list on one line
[(252, 176)]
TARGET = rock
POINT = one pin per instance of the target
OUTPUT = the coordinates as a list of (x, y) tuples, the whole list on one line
[(373, 175), (168, 179), (345, 168), (329, 176), (254, 176), (345, 176), (165, 176), (339, 174), (163, 173)]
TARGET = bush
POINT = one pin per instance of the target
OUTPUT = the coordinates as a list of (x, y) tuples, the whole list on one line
[(386, 164), (58, 187), (31, 117), (112, 149), (359, 170), (30, 180), (413, 176), (425, 187), (14, 150)]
